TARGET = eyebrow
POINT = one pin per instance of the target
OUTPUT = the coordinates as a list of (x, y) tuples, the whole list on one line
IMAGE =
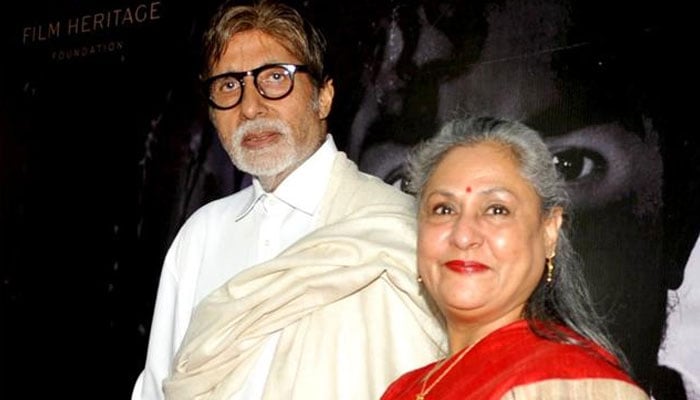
[(492, 190), (561, 118)]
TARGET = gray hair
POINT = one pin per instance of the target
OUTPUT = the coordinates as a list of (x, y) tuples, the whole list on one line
[(276, 19), (565, 300)]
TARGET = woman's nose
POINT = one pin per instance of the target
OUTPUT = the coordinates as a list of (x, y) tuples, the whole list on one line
[(465, 232)]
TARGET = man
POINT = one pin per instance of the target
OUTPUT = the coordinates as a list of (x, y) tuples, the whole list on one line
[(336, 315), (593, 79)]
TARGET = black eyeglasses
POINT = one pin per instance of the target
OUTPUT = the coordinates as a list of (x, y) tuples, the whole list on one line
[(272, 81)]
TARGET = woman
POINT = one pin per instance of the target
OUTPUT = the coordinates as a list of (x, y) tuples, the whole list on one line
[(519, 322)]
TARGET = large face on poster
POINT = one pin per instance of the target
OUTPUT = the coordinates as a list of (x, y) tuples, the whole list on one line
[(584, 81)]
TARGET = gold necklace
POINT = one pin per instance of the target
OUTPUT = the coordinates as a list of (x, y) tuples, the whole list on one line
[(423, 390)]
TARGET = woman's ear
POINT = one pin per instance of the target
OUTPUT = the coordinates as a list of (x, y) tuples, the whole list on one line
[(552, 225)]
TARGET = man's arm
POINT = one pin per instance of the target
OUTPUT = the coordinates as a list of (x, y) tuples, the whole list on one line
[(170, 320)]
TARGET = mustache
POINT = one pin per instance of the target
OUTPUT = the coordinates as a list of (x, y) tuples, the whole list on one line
[(261, 125)]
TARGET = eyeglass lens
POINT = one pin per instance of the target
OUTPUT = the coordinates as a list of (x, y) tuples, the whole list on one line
[(271, 81)]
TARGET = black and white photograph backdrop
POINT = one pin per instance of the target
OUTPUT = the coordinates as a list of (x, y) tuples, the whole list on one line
[(106, 148)]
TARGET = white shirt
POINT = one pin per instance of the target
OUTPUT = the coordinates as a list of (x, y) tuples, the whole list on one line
[(681, 347), (217, 242)]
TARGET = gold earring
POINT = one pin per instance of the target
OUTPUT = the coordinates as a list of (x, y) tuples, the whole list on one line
[(550, 269)]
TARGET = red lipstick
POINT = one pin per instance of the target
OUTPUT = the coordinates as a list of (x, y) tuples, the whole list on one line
[(464, 267)]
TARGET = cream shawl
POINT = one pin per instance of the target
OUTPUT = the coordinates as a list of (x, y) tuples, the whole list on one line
[(345, 298)]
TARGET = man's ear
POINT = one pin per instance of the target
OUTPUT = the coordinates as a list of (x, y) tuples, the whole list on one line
[(552, 225), (325, 98)]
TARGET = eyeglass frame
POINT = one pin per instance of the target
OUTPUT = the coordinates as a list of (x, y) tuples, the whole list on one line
[(292, 69)]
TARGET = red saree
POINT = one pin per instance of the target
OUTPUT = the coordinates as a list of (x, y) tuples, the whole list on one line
[(513, 362)]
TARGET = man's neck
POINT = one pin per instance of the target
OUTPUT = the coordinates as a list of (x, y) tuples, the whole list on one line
[(271, 183)]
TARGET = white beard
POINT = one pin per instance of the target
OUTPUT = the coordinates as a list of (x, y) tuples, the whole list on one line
[(268, 161)]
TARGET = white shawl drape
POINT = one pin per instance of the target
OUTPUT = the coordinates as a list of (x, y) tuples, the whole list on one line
[(345, 298)]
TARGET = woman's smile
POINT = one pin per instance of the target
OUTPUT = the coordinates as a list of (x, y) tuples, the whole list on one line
[(466, 267)]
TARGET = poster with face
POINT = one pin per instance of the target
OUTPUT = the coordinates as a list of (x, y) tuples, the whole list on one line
[(587, 78), (106, 149)]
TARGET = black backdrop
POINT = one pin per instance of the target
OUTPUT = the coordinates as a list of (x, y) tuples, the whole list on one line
[(105, 149)]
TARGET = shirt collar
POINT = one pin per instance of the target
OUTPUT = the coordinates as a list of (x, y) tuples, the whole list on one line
[(305, 186)]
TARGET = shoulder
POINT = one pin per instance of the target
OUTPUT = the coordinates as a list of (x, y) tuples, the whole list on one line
[(201, 230), (551, 359), (540, 358), (577, 389), (218, 211), (355, 185), (532, 367), (210, 219)]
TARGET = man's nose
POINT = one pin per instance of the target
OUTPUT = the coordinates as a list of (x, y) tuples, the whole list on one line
[(253, 104)]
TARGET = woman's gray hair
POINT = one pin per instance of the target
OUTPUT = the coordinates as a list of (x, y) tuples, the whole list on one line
[(565, 300)]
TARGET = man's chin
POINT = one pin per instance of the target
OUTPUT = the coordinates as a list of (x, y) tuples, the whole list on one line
[(258, 165)]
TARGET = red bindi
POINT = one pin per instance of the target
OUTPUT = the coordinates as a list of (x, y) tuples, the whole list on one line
[(469, 189)]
